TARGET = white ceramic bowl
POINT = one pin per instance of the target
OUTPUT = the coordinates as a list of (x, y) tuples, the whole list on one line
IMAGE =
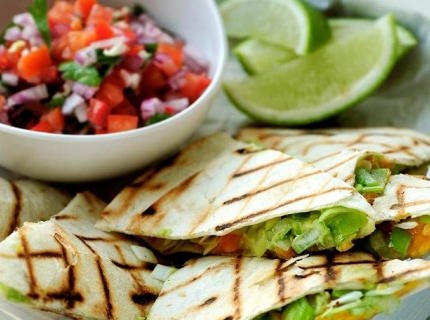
[(68, 158)]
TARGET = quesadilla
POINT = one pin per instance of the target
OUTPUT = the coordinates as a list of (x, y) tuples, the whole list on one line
[(364, 157), (369, 159), (28, 200), (222, 196), (404, 230), (65, 265), (335, 287)]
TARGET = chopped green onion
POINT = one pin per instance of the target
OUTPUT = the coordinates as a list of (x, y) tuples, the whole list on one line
[(372, 181), (400, 240), (310, 238), (299, 310)]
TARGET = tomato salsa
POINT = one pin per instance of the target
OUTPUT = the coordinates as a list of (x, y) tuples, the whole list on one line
[(84, 68)]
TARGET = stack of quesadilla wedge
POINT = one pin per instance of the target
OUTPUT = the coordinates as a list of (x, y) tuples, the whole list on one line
[(368, 158), (340, 286), (223, 196), (65, 265), (28, 200)]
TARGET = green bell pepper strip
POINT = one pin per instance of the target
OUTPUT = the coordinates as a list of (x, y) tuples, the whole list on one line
[(400, 240)]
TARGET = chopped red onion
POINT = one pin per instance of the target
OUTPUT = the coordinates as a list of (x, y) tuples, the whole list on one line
[(81, 112), (177, 80), (84, 90), (30, 31), (86, 56), (9, 78), (72, 102), (13, 34), (24, 19), (151, 106), (193, 60), (151, 33), (108, 43), (145, 18), (178, 104), (32, 94)]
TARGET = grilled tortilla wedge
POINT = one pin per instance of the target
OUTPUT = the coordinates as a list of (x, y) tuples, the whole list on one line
[(404, 147), (222, 196), (404, 230), (28, 200), (65, 265), (340, 286)]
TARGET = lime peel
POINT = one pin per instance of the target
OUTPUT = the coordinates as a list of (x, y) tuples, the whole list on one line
[(290, 23), (322, 84)]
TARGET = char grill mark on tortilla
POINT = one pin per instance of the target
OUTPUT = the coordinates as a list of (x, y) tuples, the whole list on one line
[(14, 220), (259, 213), (237, 301), (85, 263), (262, 167), (104, 281), (408, 146), (182, 296), (404, 196)]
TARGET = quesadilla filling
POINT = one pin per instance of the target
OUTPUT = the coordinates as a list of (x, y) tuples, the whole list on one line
[(408, 239), (343, 304), (372, 174), (280, 237)]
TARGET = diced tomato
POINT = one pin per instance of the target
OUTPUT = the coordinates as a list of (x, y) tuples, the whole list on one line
[(170, 110), (119, 123), (34, 62), (55, 118), (101, 131), (111, 90), (62, 13), (174, 51), (103, 31), (125, 108), (83, 7), (99, 14), (98, 112), (153, 79), (65, 47), (76, 24), (194, 85), (167, 65), (134, 50), (229, 243), (43, 126)]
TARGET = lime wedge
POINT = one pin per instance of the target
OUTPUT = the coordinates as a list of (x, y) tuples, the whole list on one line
[(257, 56), (290, 23), (406, 40), (321, 84)]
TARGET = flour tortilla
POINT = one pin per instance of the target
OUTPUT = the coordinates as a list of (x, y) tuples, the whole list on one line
[(217, 185), (337, 150), (241, 288), (28, 200), (65, 265), (404, 196)]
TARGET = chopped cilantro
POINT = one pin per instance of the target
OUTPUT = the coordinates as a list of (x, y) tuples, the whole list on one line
[(3, 32), (151, 48), (158, 117), (39, 11), (104, 63), (56, 102), (85, 75)]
